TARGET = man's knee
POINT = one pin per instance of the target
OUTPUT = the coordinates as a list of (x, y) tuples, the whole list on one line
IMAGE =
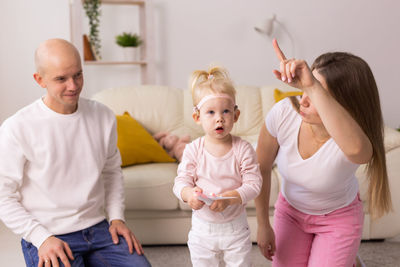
[(117, 255)]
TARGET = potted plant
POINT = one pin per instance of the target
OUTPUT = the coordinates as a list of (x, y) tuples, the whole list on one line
[(130, 43)]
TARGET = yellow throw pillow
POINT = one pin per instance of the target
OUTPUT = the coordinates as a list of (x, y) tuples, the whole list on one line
[(279, 95), (136, 145)]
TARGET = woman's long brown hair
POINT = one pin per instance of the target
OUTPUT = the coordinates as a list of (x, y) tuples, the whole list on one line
[(351, 82)]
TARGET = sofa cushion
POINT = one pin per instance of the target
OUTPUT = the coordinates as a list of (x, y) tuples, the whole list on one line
[(248, 99), (156, 108), (391, 139), (279, 95), (149, 186), (136, 145)]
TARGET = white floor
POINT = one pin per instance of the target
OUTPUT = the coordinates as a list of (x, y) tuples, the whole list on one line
[(11, 254)]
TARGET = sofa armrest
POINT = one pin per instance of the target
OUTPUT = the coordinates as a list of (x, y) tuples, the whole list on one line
[(392, 139), (388, 225)]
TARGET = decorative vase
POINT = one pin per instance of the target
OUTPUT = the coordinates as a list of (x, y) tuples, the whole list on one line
[(131, 53)]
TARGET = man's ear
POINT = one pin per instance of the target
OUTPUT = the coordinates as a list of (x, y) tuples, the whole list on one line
[(196, 117), (237, 114), (39, 79)]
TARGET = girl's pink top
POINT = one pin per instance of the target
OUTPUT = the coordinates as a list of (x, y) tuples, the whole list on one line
[(236, 170)]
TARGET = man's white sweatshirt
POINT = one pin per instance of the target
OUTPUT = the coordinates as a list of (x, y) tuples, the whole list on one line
[(59, 173)]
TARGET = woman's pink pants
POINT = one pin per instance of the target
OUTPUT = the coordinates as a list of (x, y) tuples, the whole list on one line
[(317, 240)]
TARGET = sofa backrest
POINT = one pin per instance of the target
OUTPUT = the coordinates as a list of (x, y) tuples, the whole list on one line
[(161, 108), (156, 108)]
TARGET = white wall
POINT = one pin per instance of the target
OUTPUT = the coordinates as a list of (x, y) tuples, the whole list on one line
[(192, 34), (23, 26)]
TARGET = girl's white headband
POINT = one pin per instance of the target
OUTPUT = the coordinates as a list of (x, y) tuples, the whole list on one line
[(212, 96)]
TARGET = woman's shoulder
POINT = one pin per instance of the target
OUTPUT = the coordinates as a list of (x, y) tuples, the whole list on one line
[(283, 115), (283, 111), (284, 107)]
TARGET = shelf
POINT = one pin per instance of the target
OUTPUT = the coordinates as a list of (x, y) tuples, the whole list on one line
[(123, 2), (146, 31), (88, 62)]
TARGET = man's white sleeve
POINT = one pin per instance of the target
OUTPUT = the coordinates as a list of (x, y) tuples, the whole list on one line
[(113, 180), (12, 213)]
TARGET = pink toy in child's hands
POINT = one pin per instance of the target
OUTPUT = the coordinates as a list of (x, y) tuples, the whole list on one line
[(209, 199), (204, 198)]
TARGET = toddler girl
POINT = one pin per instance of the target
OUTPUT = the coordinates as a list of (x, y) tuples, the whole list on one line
[(218, 175)]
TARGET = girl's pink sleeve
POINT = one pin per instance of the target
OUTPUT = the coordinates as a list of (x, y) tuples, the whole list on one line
[(249, 171), (186, 171)]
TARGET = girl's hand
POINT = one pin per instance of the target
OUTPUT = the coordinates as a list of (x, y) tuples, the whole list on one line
[(192, 200), (220, 205), (294, 72), (266, 241)]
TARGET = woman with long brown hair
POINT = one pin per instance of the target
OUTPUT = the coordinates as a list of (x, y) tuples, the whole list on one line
[(318, 142)]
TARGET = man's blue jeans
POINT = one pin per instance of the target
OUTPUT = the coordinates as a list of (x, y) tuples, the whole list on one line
[(91, 247)]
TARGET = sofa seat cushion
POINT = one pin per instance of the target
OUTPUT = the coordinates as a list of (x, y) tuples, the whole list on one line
[(149, 186)]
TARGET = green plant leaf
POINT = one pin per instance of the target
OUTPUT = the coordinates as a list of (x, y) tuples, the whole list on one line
[(127, 39)]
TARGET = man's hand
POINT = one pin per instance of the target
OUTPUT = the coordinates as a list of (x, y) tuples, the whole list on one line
[(118, 227), (52, 249)]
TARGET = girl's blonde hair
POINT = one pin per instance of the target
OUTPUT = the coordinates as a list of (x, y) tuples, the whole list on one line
[(352, 84), (214, 81)]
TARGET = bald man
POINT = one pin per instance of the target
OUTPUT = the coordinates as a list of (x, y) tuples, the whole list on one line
[(61, 185)]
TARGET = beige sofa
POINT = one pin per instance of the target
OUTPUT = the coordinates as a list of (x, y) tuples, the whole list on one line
[(152, 210)]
